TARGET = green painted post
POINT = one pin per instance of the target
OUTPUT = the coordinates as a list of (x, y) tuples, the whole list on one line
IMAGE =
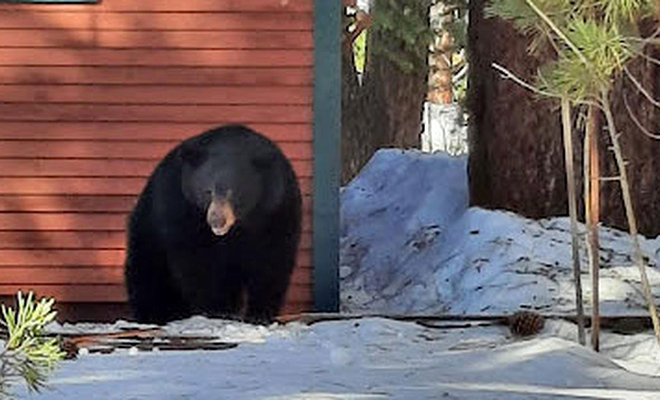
[(327, 160)]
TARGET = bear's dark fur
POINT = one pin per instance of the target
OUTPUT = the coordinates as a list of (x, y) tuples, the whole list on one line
[(219, 220)]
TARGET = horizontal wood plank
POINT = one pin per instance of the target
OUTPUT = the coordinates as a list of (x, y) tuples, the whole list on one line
[(61, 258), (74, 149), (76, 203), (96, 240), (136, 94), (50, 17), (297, 296), (302, 275), (50, 223), (145, 150), (146, 57), (114, 275), (299, 293), (71, 293), (139, 131), (38, 275), (155, 113), (93, 38), (87, 186), (74, 222), (83, 257), (298, 305), (173, 5), (33, 167), (161, 76), (208, 6), (67, 203), (15, 240), (63, 186)]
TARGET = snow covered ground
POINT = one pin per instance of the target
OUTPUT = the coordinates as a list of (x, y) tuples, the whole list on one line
[(409, 245), (369, 359)]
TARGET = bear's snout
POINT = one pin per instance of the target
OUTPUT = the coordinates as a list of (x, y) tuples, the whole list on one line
[(220, 216)]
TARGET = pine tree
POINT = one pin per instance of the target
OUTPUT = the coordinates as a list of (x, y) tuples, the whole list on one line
[(593, 42)]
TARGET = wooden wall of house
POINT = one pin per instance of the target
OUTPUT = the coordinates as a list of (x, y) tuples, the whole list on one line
[(91, 96)]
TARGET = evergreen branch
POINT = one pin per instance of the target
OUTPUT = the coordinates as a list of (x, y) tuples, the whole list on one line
[(557, 31), (27, 354)]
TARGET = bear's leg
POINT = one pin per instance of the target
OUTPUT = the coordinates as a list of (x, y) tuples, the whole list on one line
[(211, 287), (267, 284), (152, 296)]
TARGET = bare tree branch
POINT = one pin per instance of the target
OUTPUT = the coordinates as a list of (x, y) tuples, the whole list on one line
[(639, 87), (638, 257), (647, 57), (632, 116), (506, 74)]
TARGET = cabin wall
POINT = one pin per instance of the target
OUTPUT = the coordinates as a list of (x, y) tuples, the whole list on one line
[(92, 96)]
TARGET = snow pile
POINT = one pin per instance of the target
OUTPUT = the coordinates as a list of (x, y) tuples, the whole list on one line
[(637, 353), (409, 244)]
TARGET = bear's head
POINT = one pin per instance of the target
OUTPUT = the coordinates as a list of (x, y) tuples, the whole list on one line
[(232, 182)]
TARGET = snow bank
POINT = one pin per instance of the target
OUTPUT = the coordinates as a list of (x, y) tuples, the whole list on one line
[(409, 244)]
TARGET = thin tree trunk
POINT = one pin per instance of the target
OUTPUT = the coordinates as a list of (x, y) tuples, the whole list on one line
[(592, 212), (572, 212), (630, 213)]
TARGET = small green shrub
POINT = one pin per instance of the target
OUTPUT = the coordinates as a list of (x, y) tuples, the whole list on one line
[(27, 354)]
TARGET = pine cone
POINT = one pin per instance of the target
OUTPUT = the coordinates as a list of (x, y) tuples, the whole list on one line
[(70, 348), (526, 323)]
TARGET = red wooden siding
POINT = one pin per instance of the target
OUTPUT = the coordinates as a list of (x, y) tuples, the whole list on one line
[(92, 96)]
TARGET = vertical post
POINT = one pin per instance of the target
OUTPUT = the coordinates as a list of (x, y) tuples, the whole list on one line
[(327, 161), (592, 216)]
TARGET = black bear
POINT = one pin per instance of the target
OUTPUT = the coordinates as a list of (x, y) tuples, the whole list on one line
[(215, 231)]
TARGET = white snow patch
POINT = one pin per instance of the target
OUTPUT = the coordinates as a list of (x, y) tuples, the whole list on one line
[(228, 331), (412, 245)]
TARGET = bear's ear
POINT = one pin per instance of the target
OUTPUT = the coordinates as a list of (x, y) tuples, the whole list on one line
[(191, 154)]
